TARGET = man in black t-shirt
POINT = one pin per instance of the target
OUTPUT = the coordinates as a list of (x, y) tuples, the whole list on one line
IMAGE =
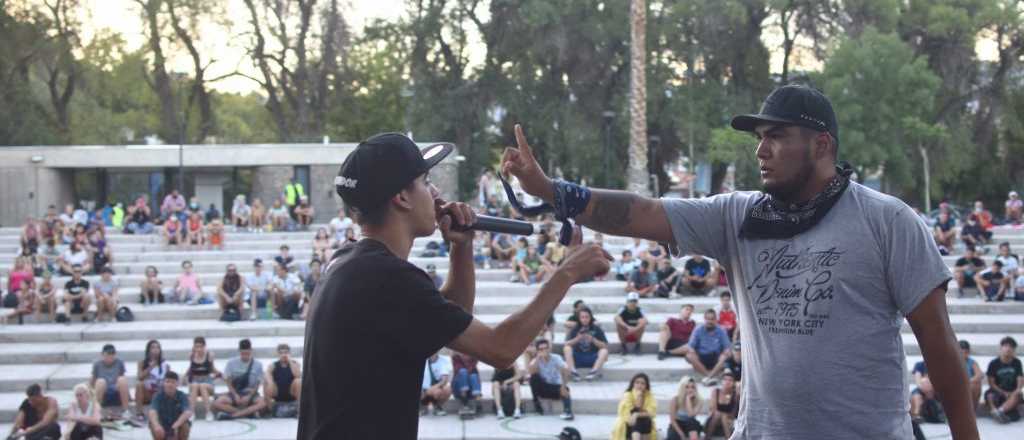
[(698, 278), (966, 267), (992, 282), (384, 182), (630, 323), (76, 296), (1005, 379), (586, 346), (37, 417)]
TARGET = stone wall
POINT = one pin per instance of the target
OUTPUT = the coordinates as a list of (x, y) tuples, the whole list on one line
[(268, 184), (322, 195)]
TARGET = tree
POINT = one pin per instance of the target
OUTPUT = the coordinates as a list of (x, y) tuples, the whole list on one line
[(862, 78), (637, 177)]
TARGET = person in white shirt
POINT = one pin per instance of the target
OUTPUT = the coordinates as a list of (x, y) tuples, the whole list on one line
[(74, 255), (437, 384), (339, 226), (1010, 260), (257, 286), (286, 289)]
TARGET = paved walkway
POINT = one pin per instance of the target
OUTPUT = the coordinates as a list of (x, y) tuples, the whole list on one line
[(489, 428)]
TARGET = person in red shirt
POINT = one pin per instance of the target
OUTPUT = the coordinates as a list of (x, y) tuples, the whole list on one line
[(727, 314), (466, 383), (675, 333)]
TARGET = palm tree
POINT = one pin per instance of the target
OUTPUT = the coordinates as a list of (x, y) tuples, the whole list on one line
[(637, 173)]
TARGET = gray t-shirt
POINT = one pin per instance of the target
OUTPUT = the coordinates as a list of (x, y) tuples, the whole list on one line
[(106, 287), (823, 311), (108, 373), (551, 371), (236, 368)]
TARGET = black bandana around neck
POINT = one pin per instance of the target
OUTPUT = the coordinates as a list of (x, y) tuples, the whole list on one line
[(771, 219)]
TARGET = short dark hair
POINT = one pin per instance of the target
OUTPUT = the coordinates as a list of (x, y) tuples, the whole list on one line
[(199, 340), (711, 311), (109, 348), (627, 252), (644, 264), (106, 269), (964, 345), (725, 294), (284, 246), (170, 375), (688, 305), (577, 303), (75, 267), (997, 263), (34, 390), (245, 344), (540, 342), (374, 215), (1005, 243), (1008, 341)]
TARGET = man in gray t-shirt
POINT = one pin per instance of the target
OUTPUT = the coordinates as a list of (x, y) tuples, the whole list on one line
[(243, 375), (108, 381), (823, 270)]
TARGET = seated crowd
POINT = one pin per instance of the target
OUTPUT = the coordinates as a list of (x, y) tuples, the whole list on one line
[(165, 400)]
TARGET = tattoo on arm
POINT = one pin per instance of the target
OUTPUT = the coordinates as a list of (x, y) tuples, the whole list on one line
[(612, 210)]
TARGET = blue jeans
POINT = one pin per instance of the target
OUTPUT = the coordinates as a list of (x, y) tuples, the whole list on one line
[(466, 384), (135, 228)]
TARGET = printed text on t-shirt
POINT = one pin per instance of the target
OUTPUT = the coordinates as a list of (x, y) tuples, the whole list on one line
[(793, 289)]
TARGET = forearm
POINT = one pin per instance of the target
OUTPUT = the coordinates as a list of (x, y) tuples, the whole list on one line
[(460, 287), (519, 329), (182, 419), (626, 214)]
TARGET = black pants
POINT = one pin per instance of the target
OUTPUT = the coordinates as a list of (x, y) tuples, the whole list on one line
[(543, 390), (83, 431), (51, 432)]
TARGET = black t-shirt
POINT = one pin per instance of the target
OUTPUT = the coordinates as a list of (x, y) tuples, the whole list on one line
[(374, 321), (949, 224), (76, 288), (1005, 373), (140, 217), (701, 268), (632, 317), (663, 274), (974, 230), (586, 347), (992, 276)]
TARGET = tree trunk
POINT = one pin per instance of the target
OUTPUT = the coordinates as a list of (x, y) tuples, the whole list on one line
[(198, 93), (160, 82), (637, 174)]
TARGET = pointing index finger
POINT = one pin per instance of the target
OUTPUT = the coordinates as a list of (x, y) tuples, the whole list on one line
[(524, 147)]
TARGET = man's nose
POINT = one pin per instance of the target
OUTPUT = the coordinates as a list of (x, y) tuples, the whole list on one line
[(434, 192)]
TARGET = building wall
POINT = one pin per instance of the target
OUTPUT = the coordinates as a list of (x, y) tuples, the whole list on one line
[(32, 178)]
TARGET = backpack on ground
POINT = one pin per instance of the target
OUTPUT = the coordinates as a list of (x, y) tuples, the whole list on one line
[(231, 315), (286, 410), (124, 314), (10, 301)]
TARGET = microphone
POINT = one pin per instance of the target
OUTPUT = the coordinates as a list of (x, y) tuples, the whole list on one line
[(498, 224)]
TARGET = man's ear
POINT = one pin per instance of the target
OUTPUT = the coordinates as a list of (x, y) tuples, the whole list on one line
[(402, 200)]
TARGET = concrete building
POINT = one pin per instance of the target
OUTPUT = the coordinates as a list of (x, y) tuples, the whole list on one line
[(32, 178)]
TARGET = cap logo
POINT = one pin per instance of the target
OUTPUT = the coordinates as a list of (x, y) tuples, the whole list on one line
[(345, 182), (433, 151)]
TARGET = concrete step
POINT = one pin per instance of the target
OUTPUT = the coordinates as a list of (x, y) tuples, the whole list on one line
[(597, 397), (134, 279), (179, 347), (196, 326)]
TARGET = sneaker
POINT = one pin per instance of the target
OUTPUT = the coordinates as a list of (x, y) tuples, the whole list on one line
[(662, 355), (209, 416), (501, 414), (224, 416), (252, 316), (575, 376), (518, 414), (636, 349), (566, 416), (709, 381), (126, 415), (1000, 417), (593, 375), (440, 412)]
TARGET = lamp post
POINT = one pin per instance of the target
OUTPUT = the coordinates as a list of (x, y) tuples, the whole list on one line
[(652, 155), (181, 135), (608, 117)]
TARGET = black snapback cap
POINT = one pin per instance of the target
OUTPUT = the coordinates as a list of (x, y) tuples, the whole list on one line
[(796, 105), (382, 165)]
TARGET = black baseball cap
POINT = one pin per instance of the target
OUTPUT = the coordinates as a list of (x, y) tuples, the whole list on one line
[(382, 165), (569, 433), (794, 105), (109, 348)]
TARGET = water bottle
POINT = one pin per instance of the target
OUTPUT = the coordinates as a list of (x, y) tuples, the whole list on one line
[(268, 312)]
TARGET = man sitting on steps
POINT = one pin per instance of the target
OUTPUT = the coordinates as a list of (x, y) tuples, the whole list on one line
[(586, 346), (282, 384), (675, 334), (243, 375), (109, 384)]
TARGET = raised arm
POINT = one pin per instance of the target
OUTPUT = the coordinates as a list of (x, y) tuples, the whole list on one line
[(609, 211)]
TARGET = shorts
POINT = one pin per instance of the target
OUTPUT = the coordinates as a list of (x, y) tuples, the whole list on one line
[(688, 425), (709, 359), (998, 400), (202, 380), (673, 344), (632, 338), (503, 375), (234, 402), (585, 359), (111, 397), (76, 307), (217, 239)]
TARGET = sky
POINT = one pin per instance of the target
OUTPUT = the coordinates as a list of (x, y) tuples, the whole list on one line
[(124, 17)]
